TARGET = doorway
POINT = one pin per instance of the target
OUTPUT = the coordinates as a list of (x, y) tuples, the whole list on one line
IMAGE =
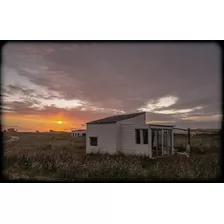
[(161, 142)]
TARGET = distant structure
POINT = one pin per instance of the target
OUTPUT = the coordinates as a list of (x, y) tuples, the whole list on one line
[(12, 130), (77, 133), (129, 134)]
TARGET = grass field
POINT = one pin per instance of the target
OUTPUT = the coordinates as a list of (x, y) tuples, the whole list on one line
[(60, 157)]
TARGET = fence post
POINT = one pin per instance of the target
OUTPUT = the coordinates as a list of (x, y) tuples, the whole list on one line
[(188, 148), (189, 136)]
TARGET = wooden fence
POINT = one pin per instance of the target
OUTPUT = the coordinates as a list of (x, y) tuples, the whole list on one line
[(196, 138)]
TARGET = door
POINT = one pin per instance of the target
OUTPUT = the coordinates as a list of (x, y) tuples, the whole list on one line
[(156, 142), (161, 142)]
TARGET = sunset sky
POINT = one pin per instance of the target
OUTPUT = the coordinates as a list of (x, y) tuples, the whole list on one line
[(61, 86)]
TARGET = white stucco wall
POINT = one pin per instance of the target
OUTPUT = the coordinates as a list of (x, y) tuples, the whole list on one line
[(107, 138), (128, 140), (141, 119)]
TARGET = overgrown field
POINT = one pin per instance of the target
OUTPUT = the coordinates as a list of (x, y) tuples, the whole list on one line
[(60, 157)]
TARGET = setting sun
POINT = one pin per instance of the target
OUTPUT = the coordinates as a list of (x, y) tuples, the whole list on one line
[(59, 122)]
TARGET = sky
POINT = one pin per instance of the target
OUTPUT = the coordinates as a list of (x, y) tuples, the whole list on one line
[(61, 86)]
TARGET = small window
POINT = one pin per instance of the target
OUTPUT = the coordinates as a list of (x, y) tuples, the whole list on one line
[(93, 141), (145, 136), (84, 134), (153, 137), (141, 136), (137, 136)]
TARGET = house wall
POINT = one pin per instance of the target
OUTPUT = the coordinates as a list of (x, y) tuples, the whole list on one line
[(107, 138), (128, 140), (141, 119)]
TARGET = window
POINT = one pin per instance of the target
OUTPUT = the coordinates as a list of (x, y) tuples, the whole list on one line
[(93, 141), (137, 136), (141, 136), (145, 136), (84, 134), (153, 137)]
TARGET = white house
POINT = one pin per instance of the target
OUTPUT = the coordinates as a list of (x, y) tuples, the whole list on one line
[(77, 133), (129, 134)]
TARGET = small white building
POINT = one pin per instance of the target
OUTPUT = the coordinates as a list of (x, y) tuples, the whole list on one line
[(77, 133), (129, 134)]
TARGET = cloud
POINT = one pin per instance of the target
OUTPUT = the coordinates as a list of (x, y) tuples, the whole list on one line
[(214, 117), (162, 102), (175, 111), (114, 78)]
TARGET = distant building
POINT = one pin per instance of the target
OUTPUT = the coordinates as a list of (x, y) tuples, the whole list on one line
[(77, 133), (12, 130)]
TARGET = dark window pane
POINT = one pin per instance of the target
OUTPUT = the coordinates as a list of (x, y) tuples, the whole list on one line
[(137, 136), (145, 136), (93, 141), (83, 134), (165, 143), (153, 137)]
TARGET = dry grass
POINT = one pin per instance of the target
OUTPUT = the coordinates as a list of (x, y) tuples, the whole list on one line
[(60, 157), (203, 143)]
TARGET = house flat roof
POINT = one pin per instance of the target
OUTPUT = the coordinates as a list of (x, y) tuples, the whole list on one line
[(160, 125), (114, 119)]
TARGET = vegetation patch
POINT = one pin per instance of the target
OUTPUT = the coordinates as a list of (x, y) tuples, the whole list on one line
[(38, 156)]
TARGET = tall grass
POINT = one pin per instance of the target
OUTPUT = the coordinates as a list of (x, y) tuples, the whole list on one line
[(63, 159)]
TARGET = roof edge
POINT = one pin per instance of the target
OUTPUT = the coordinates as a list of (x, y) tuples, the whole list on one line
[(161, 125), (137, 114)]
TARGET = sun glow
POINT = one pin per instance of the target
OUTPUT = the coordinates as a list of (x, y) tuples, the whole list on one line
[(59, 122)]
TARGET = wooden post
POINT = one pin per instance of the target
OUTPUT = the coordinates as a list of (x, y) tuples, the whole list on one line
[(150, 141), (157, 142), (172, 141), (162, 133), (188, 148), (189, 136)]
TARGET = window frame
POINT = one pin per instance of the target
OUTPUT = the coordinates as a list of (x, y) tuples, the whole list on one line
[(140, 137), (90, 141)]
